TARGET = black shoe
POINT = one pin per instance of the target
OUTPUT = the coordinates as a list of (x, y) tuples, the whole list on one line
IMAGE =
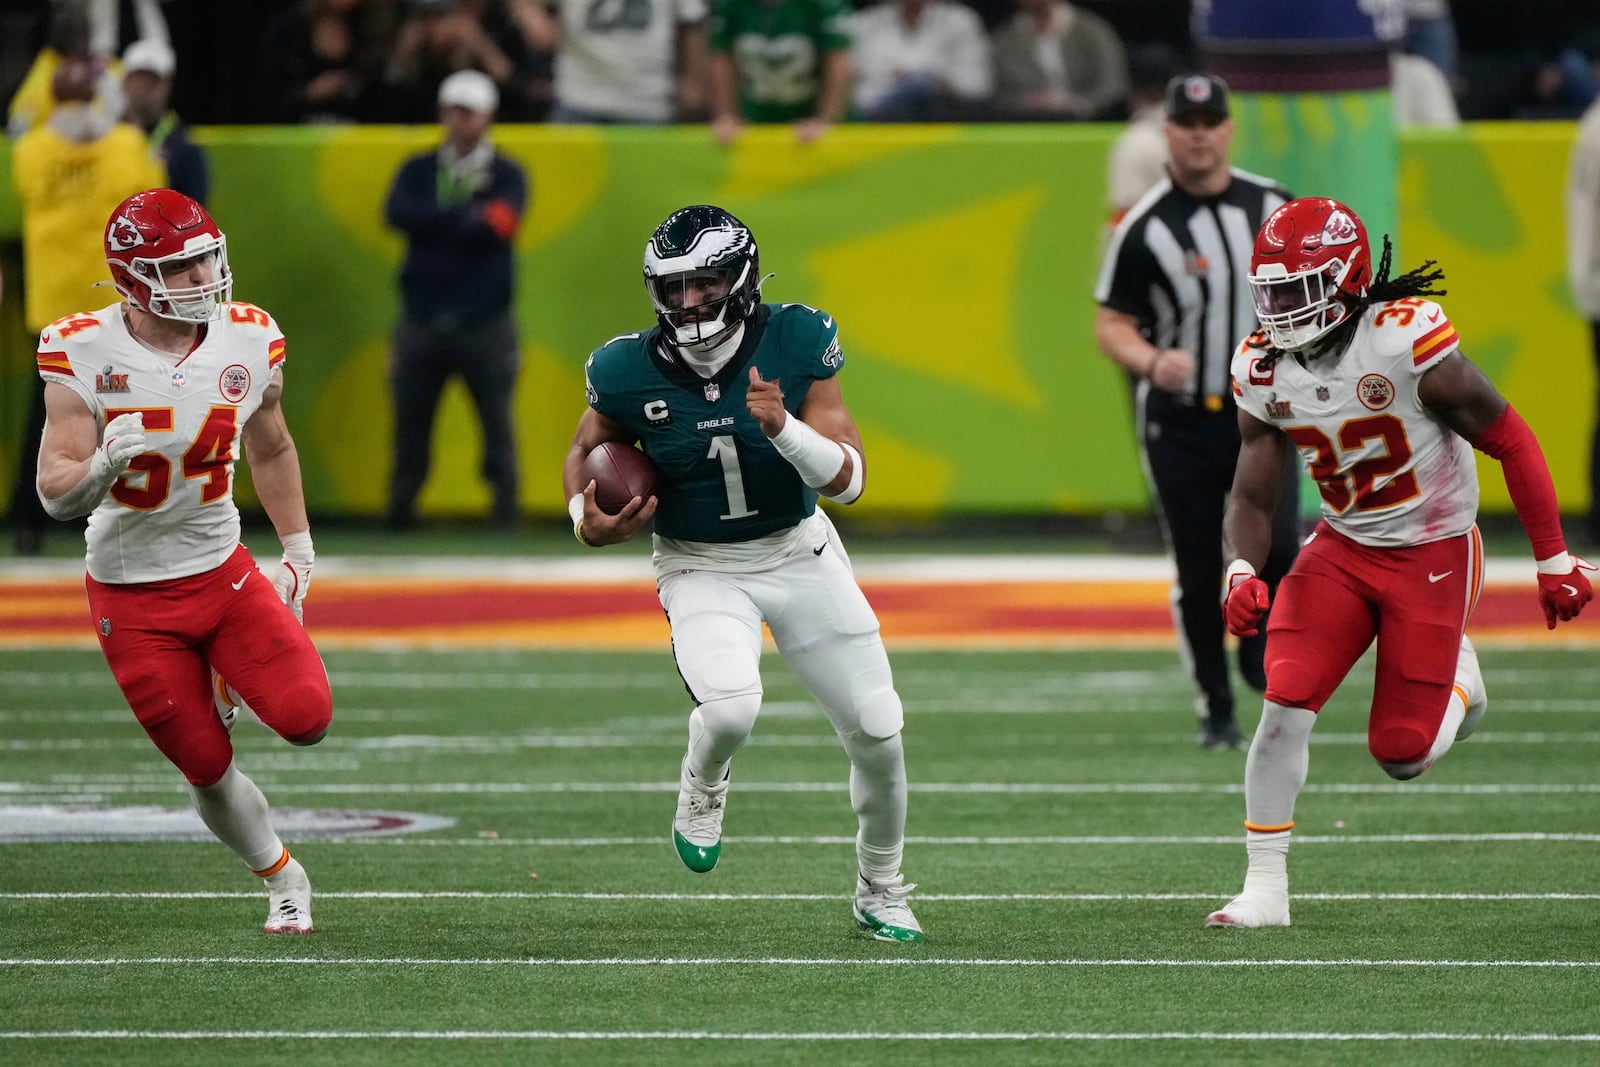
[(1252, 662), (1224, 735), (401, 521)]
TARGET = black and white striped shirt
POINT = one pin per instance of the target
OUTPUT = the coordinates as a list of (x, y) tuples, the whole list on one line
[(1179, 264)]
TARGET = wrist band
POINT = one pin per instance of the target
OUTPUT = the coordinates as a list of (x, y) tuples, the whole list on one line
[(818, 459)]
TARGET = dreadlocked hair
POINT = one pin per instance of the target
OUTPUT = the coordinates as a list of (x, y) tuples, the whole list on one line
[(1418, 282)]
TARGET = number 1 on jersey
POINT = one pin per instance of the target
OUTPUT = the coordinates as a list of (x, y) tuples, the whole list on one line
[(725, 452)]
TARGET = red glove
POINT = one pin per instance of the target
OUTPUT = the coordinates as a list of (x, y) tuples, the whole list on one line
[(1246, 601), (1563, 590)]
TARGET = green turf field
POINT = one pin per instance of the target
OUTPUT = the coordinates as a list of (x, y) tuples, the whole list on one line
[(1067, 836)]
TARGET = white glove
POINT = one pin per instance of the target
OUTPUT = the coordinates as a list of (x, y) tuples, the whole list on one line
[(291, 576), (122, 441)]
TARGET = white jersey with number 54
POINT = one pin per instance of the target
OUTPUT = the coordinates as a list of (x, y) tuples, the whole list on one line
[(1390, 473), (172, 514)]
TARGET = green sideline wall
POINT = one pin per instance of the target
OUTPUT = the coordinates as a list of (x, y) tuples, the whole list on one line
[(959, 261)]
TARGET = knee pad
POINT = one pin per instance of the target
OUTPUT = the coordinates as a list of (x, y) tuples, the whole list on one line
[(730, 717), (309, 713), (1402, 751)]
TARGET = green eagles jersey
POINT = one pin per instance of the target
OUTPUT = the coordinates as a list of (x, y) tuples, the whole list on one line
[(777, 48), (721, 479)]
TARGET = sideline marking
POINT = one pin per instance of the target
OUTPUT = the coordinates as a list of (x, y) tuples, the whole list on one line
[(703, 1035)]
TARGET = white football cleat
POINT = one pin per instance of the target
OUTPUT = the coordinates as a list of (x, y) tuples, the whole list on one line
[(288, 900), (1469, 679), (227, 700), (1249, 910), (881, 911), (697, 823)]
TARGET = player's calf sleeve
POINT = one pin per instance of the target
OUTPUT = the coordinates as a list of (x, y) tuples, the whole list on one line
[(235, 810), (1275, 770), (878, 795), (717, 729)]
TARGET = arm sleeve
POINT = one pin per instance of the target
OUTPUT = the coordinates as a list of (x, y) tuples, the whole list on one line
[(1509, 440)]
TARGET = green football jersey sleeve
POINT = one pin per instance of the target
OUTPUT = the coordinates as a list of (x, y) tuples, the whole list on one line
[(721, 479)]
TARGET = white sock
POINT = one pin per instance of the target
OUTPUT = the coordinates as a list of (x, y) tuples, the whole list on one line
[(717, 730), (235, 810), (1267, 872), (878, 794)]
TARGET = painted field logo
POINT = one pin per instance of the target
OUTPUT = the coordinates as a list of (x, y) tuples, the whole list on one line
[(1375, 391), (96, 822)]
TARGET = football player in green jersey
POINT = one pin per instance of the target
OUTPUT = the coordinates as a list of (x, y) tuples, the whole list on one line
[(737, 404), (779, 61)]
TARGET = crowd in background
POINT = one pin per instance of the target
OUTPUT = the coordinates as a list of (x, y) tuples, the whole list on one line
[(258, 61)]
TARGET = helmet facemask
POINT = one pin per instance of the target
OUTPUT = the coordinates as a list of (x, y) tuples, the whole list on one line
[(1298, 307), (700, 306), (701, 269), (185, 301)]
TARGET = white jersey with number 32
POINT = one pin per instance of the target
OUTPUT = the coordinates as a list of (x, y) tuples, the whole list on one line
[(172, 514), (1389, 471)]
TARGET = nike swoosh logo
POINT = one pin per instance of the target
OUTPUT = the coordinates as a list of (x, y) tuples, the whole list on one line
[(818, 551), (240, 583), (1434, 317), (827, 321), (1572, 590), (1439, 577)]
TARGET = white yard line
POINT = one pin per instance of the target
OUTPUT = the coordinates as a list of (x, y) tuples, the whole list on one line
[(1298, 1036), (780, 961), (164, 784), (1113, 898)]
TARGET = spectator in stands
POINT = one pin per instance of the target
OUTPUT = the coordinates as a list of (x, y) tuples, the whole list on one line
[(70, 33), (1583, 271), (459, 208), (921, 60), (70, 173), (1431, 34), (147, 69), (323, 62), (1419, 93), (643, 62), (779, 61), (525, 32), (1056, 61), (437, 39), (1139, 155)]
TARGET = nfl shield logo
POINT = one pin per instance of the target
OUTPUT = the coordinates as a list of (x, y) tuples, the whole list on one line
[(1322, 392), (105, 627), (713, 392)]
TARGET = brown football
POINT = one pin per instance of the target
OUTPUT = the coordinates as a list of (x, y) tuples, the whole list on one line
[(620, 472)]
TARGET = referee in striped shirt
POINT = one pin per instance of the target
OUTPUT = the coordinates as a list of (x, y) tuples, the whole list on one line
[(1174, 302)]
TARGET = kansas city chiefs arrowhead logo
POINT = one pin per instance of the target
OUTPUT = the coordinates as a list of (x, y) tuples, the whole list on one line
[(1340, 229), (123, 234)]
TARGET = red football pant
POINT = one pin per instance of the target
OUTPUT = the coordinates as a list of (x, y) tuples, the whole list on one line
[(1340, 596), (161, 637)]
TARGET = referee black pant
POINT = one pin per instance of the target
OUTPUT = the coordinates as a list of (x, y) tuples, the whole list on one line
[(1189, 455), (426, 355)]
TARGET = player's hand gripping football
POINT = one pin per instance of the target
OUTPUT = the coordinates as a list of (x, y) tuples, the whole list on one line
[(598, 528), (1563, 589), (1246, 600), (764, 399), (122, 441)]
